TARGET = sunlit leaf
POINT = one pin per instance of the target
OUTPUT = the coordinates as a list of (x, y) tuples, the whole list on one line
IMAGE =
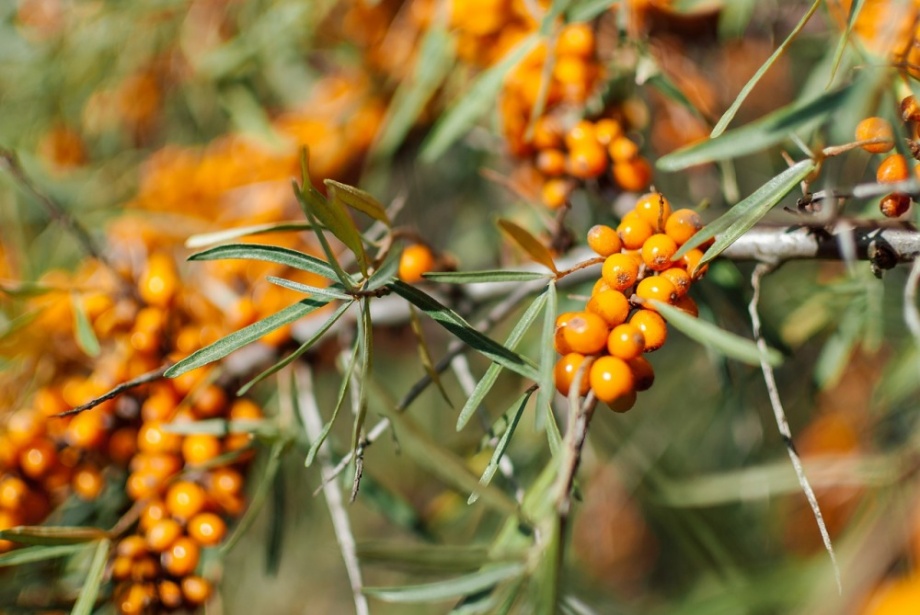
[(448, 589), (725, 343), (530, 244), (386, 273), (86, 601), (474, 277), (855, 8), (366, 342), (357, 199), (333, 292), (202, 240), (514, 416), (224, 346), (271, 254), (83, 330), (52, 535), (343, 388), (340, 273), (39, 553), (545, 416)]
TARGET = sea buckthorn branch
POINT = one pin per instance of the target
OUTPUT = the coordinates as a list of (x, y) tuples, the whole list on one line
[(779, 414), (150, 376)]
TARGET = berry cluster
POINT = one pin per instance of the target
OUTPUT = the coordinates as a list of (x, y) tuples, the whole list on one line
[(894, 167), (619, 323)]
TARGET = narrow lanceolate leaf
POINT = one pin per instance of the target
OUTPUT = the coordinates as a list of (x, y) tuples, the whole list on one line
[(39, 553), (264, 483), (530, 244), (728, 344), (448, 589), (357, 199), (340, 274), (83, 330), (52, 535), (547, 384), (759, 135), (746, 90), (386, 273), (236, 340), (333, 292), (424, 557), (425, 355), (488, 380), (271, 254), (451, 321), (366, 339), (475, 103), (297, 353), (855, 9), (476, 277), (742, 217), (203, 240), (86, 601), (514, 416), (343, 388)]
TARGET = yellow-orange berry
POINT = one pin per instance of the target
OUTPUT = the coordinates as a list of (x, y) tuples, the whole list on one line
[(39, 459), (576, 39), (87, 482), (626, 341), (656, 288), (892, 169), (225, 482), (87, 429), (634, 231), (582, 132), (121, 568), (547, 133), (643, 373), (683, 224), (415, 260), (679, 278), (565, 371), (691, 262), (185, 499), (200, 448), (153, 438), (196, 590), (632, 175), (159, 281), (163, 534), (688, 305), (620, 271), (13, 492), (655, 209), (559, 343), (611, 305), (555, 192), (657, 252), (551, 162), (209, 402), (910, 109), (604, 240), (145, 568), (600, 286), (153, 512), (588, 159), (170, 594), (134, 599), (875, 128), (606, 130), (653, 326), (623, 149), (181, 558), (610, 378), (586, 333), (894, 205), (207, 528)]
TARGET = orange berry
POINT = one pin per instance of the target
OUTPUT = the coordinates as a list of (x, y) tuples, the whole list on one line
[(134, 599), (181, 558), (626, 341), (582, 132), (875, 128), (13, 492), (185, 499), (200, 448), (634, 175), (604, 240), (634, 231), (600, 286), (606, 130), (87, 482), (207, 528), (564, 373), (131, 547), (39, 459), (152, 438), (910, 110), (657, 252), (620, 271), (611, 305), (547, 133), (653, 326), (573, 71), (551, 162), (121, 568), (576, 39), (555, 192), (209, 402), (145, 568), (643, 373), (225, 481), (415, 260), (161, 465), (587, 160), (892, 169), (153, 512), (688, 305), (245, 410), (610, 378), (679, 278), (657, 288), (623, 149), (655, 209), (170, 594), (159, 281), (163, 534), (894, 205), (87, 429), (142, 485), (196, 590), (691, 262), (682, 225), (586, 333)]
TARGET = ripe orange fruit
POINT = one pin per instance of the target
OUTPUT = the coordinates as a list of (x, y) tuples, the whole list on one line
[(576, 39), (185, 499), (679, 278), (643, 373), (875, 128), (415, 260), (586, 160), (633, 175), (555, 192), (610, 379), (200, 448), (634, 230), (691, 262), (626, 341), (586, 333), (163, 534), (655, 209), (657, 288), (657, 252), (196, 590), (894, 205), (551, 162), (604, 240), (181, 558), (620, 271), (892, 169), (565, 371), (653, 326), (682, 225), (611, 305), (207, 528), (159, 281), (606, 130), (623, 149)]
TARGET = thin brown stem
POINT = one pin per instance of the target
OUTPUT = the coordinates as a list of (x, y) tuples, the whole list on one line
[(118, 390)]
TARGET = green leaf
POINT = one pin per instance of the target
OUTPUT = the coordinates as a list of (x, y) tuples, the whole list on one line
[(488, 380), (527, 242), (855, 9), (340, 273), (586, 10), (749, 86), (759, 135), (449, 319), (297, 353), (448, 589), (514, 416), (357, 199), (425, 355), (742, 217), (39, 553), (474, 103), (86, 601), (331, 292), (426, 557), (271, 254), (263, 484), (492, 275), (547, 578), (366, 339), (222, 427), (725, 343), (52, 535), (386, 273), (202, 240), (547, 384), (343, 388), (224, 346), (735, 17), (83, 330)]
